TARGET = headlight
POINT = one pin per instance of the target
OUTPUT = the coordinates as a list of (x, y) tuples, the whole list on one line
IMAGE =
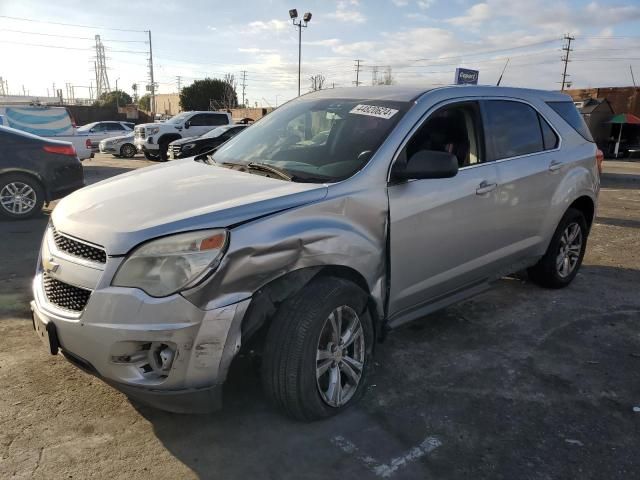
[(188, 146), (170, 264), (153, 131)]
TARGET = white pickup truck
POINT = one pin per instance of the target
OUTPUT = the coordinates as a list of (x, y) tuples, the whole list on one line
[(153, 139), (48, 122)]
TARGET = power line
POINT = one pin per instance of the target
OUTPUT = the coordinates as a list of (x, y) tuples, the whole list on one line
[(69, 36), (72, 24)]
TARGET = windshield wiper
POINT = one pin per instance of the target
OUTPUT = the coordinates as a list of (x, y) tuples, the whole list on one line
[(268, 168)]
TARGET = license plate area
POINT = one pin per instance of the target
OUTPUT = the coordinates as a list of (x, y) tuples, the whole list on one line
[(47, 332)]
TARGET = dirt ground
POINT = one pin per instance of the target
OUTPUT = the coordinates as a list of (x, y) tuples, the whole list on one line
[(519, 382)]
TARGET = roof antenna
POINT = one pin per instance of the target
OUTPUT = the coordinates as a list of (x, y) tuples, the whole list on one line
[(505, 67)]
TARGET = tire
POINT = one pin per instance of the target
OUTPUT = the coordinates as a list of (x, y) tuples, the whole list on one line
[(164, 148), (554, 271), (127, 151), (301, 331), (21, 196), (151, 156)]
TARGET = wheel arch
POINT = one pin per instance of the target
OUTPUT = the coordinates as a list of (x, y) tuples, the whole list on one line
[(587, 206), (168, 137), (28, 173), (266, 300)]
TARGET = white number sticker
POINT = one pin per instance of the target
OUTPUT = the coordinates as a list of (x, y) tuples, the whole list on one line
[(374, 111)]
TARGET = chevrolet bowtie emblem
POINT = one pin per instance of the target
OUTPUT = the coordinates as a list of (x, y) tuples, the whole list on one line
[(50, 266)]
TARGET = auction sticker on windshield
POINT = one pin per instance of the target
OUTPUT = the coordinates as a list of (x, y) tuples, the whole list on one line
[(374, 111)]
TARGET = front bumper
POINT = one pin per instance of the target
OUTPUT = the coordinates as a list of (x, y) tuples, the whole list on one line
[(113, 149), (145, 144), (118, 334)]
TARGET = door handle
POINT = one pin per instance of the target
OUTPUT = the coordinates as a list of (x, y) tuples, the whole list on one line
[(555, 165), (485, 187)]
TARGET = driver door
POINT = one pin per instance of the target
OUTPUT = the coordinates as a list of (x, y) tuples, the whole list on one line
[(442, 231)]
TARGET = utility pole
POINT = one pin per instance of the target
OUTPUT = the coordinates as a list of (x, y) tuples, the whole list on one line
[(567, 48), (179, 80), (153, 85), (24, 92), (357, 82), (633, 79), (2, 92), (243, 85)]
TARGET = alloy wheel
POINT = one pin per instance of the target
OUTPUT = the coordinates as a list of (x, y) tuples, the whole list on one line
[(570, 248), (18, 198), (340, 356)]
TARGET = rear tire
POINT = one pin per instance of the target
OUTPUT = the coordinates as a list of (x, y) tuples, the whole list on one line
[(164, 149), (21, 196), (562, 260), (308, 370)]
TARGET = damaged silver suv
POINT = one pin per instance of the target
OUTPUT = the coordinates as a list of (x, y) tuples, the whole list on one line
[(343, 214)]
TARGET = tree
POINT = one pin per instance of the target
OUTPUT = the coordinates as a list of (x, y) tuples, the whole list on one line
[(230, 95), (210, 93), (112, 99), (145, 102), (317, 82)]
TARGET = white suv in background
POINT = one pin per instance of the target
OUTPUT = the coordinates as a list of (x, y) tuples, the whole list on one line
[(153, 138)]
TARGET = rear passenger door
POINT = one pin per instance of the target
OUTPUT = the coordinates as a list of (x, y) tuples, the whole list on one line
[(525, 150)]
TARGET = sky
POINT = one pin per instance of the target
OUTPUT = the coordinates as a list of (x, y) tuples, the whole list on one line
[(421, 41)]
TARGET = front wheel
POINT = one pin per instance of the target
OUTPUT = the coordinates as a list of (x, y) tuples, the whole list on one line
[(318, 350), (560, 264), (128, 151), (151, 156), (21, 196)]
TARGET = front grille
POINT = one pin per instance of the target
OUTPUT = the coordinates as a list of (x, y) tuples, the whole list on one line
[(139, 132), (63, 295), (176, 149), (78, 249)]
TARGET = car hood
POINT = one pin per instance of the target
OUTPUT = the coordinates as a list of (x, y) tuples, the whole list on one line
[(184, 140), (121, 212), (150, 125)]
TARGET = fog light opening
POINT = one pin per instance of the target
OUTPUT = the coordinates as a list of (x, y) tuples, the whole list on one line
[(162, 356)]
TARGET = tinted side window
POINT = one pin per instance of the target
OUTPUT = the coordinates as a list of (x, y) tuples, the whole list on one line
[(570, 114), (548, 135), (512, 129), (198, 120), (114, 127), (216, 119)]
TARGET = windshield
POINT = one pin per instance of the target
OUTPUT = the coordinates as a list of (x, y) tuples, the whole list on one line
[(216, 132), (316, 140), (181, 117), (87, 127)]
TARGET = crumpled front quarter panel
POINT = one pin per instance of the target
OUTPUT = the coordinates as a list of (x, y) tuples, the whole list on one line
[(347, 228)]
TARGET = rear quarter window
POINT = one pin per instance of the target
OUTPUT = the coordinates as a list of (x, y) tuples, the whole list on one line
[(569, 113)]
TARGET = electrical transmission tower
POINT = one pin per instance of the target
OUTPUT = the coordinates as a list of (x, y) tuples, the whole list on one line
[(243, 85), (102, 79), (565, 59), (2, 89), (358, 65)]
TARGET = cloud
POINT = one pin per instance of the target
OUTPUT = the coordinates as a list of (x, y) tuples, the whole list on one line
[(424, 4), (346, 11), (400, 3), (256, 50), (474, 16), (329, 42), (273, 24)]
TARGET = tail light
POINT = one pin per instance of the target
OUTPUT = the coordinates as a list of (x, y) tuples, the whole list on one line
[(61, 149), (599, 160), (88, 143)]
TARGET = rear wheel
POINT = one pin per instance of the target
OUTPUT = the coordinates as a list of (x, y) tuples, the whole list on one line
[(318, 350), (21, 196), (163, 148), (560, 264), (128, 151)]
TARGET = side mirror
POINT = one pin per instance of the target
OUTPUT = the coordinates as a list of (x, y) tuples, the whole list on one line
[(92, 130), (187, 124), (427, 164)]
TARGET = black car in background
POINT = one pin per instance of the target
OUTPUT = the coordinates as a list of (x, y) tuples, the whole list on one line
[(34, 170), (190, 146)]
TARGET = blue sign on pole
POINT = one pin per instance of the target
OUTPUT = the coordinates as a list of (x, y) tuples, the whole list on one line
[(464, 76)]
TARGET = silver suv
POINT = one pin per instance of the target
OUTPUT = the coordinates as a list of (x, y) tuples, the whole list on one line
[(343, 214)]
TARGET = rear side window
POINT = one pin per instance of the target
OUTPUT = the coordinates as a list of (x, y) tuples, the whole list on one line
[(214, 120), (512, 129), (548, 135), (570, 114)]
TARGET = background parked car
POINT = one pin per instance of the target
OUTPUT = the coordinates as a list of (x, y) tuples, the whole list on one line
[(121, 146), (190, 146), (46, 122), (34, 170), (99, 130)]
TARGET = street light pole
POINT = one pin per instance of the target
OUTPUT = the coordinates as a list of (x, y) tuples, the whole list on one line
[(293, 13)]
